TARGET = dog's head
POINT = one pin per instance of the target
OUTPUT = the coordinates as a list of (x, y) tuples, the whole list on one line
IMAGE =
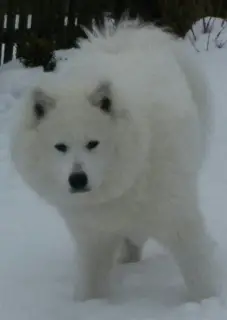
[(75, 143)]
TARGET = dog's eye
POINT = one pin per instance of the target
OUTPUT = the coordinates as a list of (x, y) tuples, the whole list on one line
[(61, 147), (92, 144)]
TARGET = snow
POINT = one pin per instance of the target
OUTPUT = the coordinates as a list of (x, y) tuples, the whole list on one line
[(36, 269), (208, 33)]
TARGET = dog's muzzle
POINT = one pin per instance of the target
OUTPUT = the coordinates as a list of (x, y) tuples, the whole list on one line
[(78, 182)]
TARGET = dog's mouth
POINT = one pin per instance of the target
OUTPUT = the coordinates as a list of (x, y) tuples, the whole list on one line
[(79, 191)]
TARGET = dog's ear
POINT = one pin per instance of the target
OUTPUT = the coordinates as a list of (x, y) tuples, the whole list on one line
[(102, 97), (41, 104)]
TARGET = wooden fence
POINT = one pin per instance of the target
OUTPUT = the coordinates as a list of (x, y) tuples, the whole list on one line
[(60, 20), (54, 19)]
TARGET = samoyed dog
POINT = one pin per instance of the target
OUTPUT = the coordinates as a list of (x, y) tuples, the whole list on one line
[(115, 140)]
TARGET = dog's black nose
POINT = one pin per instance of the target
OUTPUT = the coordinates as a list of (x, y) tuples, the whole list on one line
[(78, 181)]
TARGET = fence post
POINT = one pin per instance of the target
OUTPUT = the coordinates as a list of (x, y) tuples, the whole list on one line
[(23, 12), (9, 40), (2, 14)]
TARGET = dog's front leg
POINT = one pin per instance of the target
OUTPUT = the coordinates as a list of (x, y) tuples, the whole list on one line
[(94, 259)]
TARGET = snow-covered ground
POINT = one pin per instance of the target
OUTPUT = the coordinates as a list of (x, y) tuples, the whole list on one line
[(36, 266), (208, 33)]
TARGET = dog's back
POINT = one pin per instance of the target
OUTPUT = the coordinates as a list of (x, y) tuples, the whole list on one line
[(133, 35)]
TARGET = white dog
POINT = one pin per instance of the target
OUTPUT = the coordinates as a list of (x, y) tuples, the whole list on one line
[(115, 140)]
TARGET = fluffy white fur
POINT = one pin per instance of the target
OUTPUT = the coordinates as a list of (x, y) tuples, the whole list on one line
[(143, 175)]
